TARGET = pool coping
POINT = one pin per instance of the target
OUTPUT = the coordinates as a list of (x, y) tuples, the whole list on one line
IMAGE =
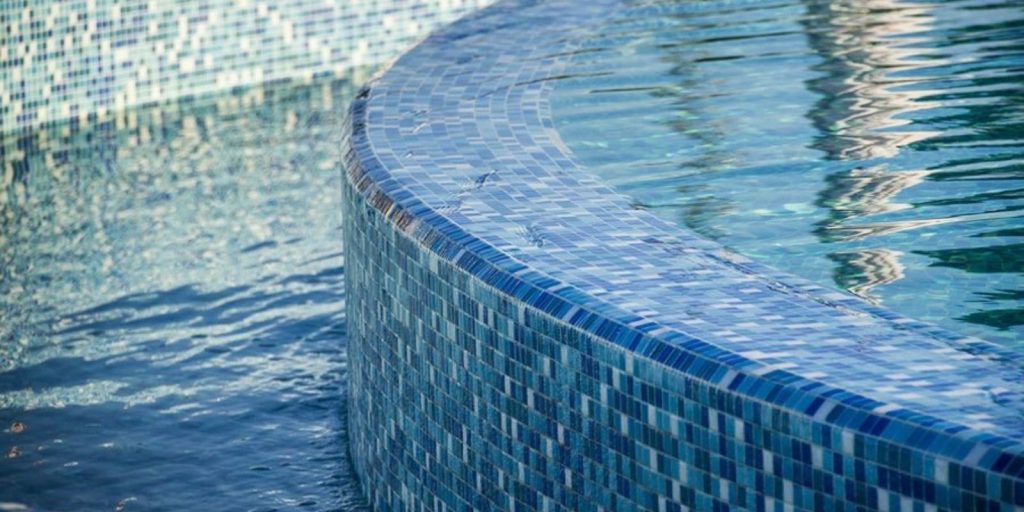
[(419, 215)]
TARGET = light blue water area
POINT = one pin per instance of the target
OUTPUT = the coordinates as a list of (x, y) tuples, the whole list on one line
[(877, 146), (173, 333)]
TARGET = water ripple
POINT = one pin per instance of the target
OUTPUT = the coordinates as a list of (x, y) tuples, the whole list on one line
[(888, 133), (173, 306)]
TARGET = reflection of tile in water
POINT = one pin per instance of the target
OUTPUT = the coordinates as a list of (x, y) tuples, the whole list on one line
[(174, 281)]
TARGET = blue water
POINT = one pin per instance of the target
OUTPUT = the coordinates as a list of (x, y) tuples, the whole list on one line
[(876, 146), (173, 333)]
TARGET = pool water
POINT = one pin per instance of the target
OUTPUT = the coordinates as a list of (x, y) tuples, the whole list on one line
[(876, 146), (172, 299)]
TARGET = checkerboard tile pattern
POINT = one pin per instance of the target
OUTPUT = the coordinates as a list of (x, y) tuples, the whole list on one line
[(521, 339), (63, 59)]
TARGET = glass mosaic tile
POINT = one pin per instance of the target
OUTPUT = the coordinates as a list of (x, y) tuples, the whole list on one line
[(523, 339), (62, 60)]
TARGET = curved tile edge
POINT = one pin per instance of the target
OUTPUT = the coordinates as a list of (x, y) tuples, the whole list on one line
[(479, 381)]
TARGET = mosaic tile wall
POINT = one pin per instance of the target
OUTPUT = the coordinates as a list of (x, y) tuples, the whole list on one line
[(64, 59), (521, 339)]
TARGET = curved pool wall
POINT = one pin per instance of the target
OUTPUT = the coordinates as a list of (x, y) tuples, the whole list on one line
[(63, 60), (521, 339)]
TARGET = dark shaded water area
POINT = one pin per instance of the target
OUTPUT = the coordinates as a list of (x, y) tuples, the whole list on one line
[(876, 146), (173, 329)]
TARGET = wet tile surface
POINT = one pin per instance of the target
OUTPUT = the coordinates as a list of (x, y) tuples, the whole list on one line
[(489, 265)]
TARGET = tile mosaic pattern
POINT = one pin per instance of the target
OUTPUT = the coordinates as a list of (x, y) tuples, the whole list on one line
[(523, 340), (62, 60)]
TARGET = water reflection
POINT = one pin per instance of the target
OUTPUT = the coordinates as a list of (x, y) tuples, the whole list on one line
[(173, 306), (859, 193), (869, 48), (859, 116), (861, 271), (854, 143), (882, 61)]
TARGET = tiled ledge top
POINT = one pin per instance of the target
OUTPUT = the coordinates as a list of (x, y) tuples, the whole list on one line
[(456, 146)]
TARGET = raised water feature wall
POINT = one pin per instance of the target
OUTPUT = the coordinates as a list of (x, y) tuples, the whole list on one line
[(522, 339), (63, 60)]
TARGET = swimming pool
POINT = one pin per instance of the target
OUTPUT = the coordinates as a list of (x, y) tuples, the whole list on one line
[(522, 336), (172, 328), (871, 146), (518, 335), (173, 305)]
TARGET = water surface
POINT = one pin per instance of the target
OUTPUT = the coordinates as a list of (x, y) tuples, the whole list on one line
[(876, 146), (173, 333)]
